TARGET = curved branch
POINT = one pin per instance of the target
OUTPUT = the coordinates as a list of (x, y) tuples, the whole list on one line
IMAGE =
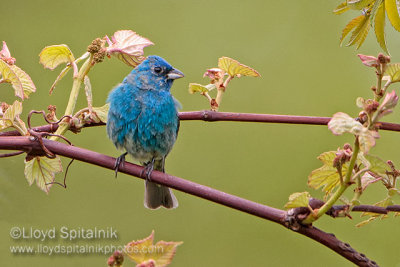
[(32, 146)]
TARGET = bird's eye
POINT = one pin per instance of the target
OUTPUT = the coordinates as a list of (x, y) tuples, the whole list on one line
[(157, 69)]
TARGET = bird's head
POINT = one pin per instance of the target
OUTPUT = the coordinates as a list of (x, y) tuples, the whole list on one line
[(154, 73)]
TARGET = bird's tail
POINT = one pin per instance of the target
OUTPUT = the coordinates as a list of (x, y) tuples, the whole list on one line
[(157, 195)]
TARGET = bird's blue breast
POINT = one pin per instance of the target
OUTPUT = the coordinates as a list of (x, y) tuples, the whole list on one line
[(144, 122)]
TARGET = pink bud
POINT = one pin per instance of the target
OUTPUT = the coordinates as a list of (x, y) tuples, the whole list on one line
[(369, 61), (5, 55), (390, 100), (214, 73), (149, 263), (111, 261)]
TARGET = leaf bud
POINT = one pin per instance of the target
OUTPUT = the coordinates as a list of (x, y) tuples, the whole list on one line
[(382, 59)]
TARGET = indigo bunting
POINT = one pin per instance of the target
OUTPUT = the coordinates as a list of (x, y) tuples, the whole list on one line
[(143, 120)]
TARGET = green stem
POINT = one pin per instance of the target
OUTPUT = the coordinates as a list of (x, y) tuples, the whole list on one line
[(207, 96), (226, 82), (346, 183), (221, 90), (379, 76), (359, 190), (21, 129), (387, 84), (73, 97), (378, 86), (218, 99)]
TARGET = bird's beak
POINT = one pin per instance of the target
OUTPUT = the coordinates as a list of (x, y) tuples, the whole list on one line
[(175, 74)]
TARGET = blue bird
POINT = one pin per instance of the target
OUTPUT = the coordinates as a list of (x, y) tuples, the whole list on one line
[(143, 120)]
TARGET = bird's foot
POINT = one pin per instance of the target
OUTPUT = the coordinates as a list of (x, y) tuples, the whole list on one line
[(148, 169), (119, 162)]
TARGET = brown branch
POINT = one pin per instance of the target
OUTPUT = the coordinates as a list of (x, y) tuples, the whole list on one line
[(337, 210), (371, 208), (395, 208), (33, 147), (368, 208), (212, 116), (207, 115)]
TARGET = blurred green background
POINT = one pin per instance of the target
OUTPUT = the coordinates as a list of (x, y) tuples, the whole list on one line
[(293, 44)]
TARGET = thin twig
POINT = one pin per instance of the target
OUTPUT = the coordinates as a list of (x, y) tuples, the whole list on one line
[(6, 155), (64, 184), (370, 208), (395, 208)]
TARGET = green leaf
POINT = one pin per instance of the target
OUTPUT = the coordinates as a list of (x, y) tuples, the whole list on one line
[(13, 111), (5, 123), (42, 170), (102, 112), (128, 46), (380, 27), (374, 9), (52, 56), (360, 32), (361, 158), (350, 26), (197, 88), (11, 77), (377, 165), (342, 123), (341, 8), (366, 139), (366, 222), (19, 79), (393, 72), (297, 200), (358, 4), (234, 68), (374, 165), (393, 13), (144, 253), (26, 82), (394, 192), (11, 118), (327, 157), (326, 176)]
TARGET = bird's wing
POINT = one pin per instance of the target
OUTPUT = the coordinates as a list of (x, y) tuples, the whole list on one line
[(178, 106), (123, 114)]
